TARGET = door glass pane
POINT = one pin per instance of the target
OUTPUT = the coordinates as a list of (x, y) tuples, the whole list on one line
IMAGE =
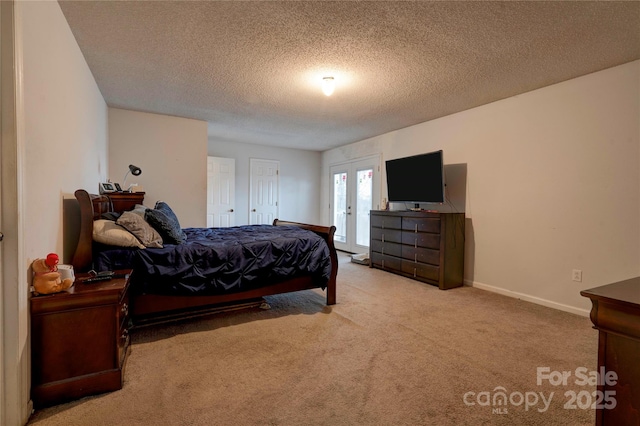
[(340, 206), (364, 204)]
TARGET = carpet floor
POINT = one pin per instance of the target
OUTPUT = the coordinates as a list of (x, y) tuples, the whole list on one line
[(393, 351)]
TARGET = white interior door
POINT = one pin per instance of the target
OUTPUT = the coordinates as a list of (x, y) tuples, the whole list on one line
[(221, 182), (264, 191), (355, 191)]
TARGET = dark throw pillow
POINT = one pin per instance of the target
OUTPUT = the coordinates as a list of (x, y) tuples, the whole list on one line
[(110, 216), (164, 220)]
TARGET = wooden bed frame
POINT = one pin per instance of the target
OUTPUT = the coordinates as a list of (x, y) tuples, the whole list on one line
[(150, 308)]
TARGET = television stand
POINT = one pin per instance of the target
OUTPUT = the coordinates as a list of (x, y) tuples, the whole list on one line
[(425, 246)]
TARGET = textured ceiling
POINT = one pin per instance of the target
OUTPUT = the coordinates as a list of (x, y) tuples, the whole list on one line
[(252, 70)]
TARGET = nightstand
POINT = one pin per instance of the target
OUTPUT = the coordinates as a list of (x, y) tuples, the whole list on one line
[(123, 201), (79, 340)]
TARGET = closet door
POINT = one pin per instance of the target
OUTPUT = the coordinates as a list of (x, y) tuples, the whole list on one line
[(264, 191), (221, 182)]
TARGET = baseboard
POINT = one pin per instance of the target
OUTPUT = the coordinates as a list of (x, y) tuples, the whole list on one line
[(528, 298)]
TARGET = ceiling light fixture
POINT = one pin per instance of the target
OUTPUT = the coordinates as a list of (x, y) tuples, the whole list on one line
[(328, 85)]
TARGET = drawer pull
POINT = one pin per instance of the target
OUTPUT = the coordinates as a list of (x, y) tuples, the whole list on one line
[(124, 309), (382, 249), (416, 228), (415, 243), (414, 272), (125, 334), (415, 257), (383, 238)]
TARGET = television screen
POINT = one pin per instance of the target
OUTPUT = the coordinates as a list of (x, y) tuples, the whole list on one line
[(416, 179)]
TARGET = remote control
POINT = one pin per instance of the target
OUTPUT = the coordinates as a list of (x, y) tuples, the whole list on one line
[(97, 278)]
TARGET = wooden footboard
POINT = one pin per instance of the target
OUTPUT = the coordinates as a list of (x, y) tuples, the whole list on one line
[(326, 232), (146, 307)]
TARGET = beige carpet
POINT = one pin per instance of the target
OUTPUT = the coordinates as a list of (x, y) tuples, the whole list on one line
[(393, 351)]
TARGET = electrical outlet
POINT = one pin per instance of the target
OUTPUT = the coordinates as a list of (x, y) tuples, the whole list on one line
[(577, 275)]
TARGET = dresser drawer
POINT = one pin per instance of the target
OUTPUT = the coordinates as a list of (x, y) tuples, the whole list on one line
[(421, 270), (421, 255), (421, 239), (386, 262), (392, 249), (386, 235), (421, 225), (386, 222)]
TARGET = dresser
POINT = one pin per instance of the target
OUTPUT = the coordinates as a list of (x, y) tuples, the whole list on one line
[(615, 313), (79, 340), (426, 246)]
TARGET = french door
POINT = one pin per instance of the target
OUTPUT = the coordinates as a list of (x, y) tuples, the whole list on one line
[(355, 191)]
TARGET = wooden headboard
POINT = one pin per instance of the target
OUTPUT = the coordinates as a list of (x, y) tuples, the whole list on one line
[(91, 207)]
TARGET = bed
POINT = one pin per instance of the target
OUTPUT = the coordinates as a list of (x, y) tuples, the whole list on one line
[(199, 275)]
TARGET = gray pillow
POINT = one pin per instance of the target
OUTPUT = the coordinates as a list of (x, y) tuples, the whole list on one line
[(135, 224), (164, 220), (139, 209)]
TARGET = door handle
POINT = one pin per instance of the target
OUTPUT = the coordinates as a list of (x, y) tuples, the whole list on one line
[(231, 210), (253, 210)]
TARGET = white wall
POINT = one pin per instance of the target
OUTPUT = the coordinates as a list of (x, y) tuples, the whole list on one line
[(172, 153), (553, 184), (65, 125), (63, 137), (299, 179)]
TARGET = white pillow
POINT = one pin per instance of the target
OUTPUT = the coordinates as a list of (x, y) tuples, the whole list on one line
[(107, 232)]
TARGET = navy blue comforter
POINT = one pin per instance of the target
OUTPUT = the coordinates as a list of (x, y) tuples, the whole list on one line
[(223, 260)]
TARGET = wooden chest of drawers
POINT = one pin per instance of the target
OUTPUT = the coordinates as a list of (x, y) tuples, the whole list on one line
[(79, 340), (425, 246), (615, 313)]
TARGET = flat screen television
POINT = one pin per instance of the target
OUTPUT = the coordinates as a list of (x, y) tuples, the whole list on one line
[(416, 179)]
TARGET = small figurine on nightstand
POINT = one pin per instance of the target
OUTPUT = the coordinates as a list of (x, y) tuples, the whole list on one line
[(46, 278)]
